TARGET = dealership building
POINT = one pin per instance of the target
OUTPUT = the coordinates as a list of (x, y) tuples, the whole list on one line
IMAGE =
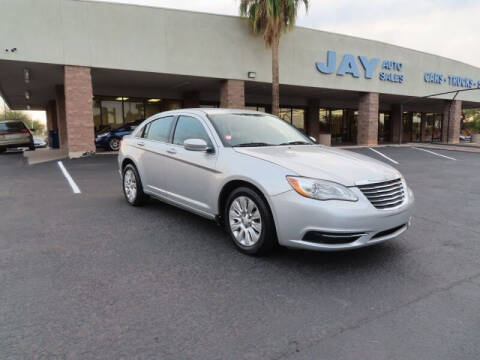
[(98, 65)]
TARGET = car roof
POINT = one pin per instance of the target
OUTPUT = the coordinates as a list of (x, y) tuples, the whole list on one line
[(211, 111)]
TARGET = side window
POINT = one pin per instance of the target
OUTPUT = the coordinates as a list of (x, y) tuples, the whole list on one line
[(159, 129), (189, 128)]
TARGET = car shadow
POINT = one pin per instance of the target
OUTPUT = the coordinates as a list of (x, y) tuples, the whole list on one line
[(366, 258)]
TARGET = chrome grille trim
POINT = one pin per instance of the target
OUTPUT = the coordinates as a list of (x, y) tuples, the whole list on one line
[(384, 195)]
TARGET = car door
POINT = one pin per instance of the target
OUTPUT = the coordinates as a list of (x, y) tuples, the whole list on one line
[(154, 144), (190, 173)]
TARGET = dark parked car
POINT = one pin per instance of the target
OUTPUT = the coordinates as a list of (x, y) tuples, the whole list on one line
[(110, 139)]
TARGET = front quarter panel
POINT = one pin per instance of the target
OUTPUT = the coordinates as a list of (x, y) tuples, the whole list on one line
[(268, 177)]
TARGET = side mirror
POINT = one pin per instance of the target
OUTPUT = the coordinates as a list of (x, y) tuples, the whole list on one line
[(196, 145), (32, 129), (313, 139)]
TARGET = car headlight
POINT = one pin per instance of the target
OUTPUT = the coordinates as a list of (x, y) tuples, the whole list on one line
[(321, 189), (101, 136)]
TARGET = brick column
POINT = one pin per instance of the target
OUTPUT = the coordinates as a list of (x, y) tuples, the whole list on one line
[(78, 110), (367, 131), (313, 119), (396, 123), (191, 100), (232, 94), (62, 124), (451, 128)]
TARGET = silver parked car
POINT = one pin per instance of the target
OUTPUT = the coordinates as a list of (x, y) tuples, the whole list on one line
[(14, 134), (264, 180)]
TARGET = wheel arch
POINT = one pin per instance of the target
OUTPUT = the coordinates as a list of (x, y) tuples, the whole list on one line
[(127, 161), (234, 184)]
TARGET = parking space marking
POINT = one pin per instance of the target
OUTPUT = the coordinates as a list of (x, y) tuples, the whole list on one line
[(385, 156), (434, 153), (73, 185)]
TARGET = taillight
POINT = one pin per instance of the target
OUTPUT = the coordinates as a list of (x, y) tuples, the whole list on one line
[(25, 131)]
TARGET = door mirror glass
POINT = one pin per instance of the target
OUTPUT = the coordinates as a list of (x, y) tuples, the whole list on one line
[(196, 145), (313, 139)]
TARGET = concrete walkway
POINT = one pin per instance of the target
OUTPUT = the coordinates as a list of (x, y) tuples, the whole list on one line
[(43, 155)]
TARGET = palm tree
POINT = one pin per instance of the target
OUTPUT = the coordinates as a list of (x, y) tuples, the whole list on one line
[(272, 18)]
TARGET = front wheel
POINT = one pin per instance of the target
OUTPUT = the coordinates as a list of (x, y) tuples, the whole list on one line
[(114, 144), (132, 186), (249, 222)]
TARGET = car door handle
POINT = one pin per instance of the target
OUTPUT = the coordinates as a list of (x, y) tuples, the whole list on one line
[(140, 143), (172, 151)]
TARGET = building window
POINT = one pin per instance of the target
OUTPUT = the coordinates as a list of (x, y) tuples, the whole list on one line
[(336, 121), (294, 116), (112, 113), (407, 122), (133, 110), (298, 118), (97, 114), (437, 128), (152, 108), (384, 127), (285, 114), (324, 118), (256, 108), (416, 127)]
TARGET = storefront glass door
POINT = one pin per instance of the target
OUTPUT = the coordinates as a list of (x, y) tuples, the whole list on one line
[(437, 128), (416, 127)]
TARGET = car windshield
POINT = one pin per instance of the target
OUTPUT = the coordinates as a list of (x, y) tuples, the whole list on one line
[(252, 129)]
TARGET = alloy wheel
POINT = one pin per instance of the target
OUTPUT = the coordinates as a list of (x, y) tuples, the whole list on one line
[(245, 221), (130, 185), (115, 144)]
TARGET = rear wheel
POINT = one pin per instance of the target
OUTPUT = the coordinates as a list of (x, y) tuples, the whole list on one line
[(249, 222), (114, 144), (132, 186)]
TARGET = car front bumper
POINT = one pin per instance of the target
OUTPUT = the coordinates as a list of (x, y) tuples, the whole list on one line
[(337, 225)]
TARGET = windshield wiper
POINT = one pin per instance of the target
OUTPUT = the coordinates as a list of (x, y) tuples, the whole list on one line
[(296, 143), (253, 144)]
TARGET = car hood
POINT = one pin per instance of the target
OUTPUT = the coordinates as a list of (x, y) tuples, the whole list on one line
[(320, 162)]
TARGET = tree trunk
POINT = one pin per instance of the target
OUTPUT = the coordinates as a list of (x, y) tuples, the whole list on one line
[(275, 76)]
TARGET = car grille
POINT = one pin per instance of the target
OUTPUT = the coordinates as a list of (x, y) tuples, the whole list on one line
[(384, 195)]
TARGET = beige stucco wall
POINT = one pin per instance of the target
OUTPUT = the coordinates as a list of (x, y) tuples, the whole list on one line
[(107, 35)]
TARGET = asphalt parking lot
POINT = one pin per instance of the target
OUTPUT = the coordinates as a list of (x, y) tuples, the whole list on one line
[(86, 276)]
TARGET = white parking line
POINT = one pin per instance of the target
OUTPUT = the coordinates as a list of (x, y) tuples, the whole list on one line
[(385, 156), (73, 185), (434, 153)]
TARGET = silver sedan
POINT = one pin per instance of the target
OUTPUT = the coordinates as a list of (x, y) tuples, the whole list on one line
[(264, 180)]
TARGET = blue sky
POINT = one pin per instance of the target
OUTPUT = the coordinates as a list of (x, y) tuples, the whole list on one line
[(443, 27)]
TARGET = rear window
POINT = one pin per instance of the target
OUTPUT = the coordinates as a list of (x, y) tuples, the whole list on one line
[(17, 125)]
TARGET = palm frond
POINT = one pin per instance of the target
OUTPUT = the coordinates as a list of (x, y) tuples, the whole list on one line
[(271, 17)]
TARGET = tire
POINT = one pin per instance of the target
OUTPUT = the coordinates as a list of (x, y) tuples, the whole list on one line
[(132, 186), (249, 222), (31, 148), (114, 144), (2, 150)]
